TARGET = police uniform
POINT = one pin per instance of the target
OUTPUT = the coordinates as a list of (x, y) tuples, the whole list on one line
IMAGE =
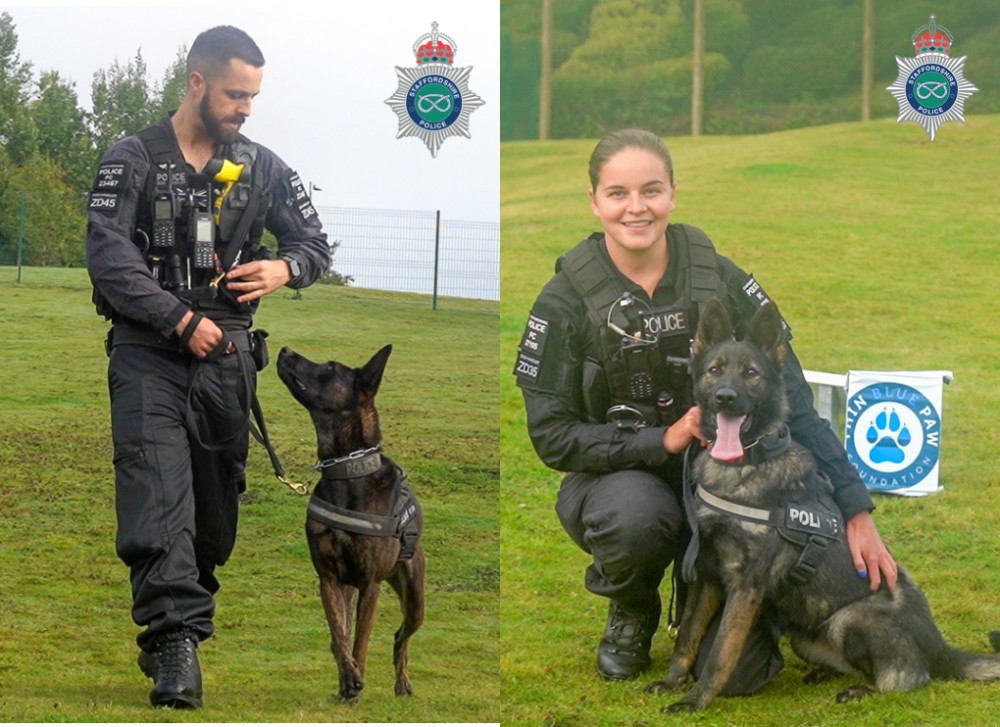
[(180, 424), (620, 501)]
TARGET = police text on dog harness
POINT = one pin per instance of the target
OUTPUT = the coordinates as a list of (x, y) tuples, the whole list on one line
[(806, 526), (401, 524)]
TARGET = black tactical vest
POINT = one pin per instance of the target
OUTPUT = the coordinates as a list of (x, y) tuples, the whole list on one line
[(627, 378), (238, 229)]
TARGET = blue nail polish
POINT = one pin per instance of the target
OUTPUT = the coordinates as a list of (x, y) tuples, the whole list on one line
[(863, 573)]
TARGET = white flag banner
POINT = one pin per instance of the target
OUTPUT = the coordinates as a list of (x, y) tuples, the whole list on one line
[(893, 429)]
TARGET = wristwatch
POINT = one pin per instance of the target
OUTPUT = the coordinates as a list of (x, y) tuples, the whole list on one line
[(293, 267)]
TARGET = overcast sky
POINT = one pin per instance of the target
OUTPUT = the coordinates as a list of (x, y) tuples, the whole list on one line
[(329, 69)]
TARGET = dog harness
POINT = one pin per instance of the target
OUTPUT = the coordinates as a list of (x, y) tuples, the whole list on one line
[(401, 525), (805, 524)]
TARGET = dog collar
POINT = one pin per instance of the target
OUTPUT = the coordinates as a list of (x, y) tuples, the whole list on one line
[(358, 463)]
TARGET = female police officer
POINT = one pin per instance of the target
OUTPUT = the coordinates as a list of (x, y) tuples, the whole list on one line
[(602, 366)]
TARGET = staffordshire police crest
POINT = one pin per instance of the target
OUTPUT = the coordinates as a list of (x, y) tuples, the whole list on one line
[(433, 100), (930, 88)]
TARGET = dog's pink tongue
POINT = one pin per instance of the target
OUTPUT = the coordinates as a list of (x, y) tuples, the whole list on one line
[(727, 441)]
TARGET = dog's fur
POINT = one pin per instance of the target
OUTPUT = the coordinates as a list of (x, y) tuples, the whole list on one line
[(341, 402), (835, 620)]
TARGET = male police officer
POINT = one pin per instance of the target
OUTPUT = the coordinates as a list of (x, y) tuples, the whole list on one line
[(173, 249)]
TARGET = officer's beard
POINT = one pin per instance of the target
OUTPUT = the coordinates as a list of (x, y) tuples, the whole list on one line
[(214, 126)]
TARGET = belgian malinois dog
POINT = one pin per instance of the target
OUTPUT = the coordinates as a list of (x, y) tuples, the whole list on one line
[(758, 513), (363, 522)]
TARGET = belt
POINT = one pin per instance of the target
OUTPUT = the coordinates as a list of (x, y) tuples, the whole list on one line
[(129, 334)]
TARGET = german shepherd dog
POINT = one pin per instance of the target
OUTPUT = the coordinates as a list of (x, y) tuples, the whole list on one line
[(356, 513), (749, 567)]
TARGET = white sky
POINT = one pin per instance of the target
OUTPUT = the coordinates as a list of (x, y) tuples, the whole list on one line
[(330, 67)]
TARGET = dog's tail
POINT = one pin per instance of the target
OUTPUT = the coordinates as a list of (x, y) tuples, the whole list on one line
[(978, 667), (995, 640)]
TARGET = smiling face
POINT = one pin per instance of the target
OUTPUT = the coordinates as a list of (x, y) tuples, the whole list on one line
[(633, 198)]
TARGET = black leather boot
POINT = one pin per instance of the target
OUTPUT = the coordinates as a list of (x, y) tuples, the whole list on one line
[(624, 649), (174, 668)]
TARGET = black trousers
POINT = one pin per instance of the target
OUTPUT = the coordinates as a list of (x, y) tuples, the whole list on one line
[(632, 523), (180, 431)]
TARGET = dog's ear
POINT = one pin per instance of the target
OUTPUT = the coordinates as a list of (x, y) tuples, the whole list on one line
[(766, 332), (371, 372), (714, 326)]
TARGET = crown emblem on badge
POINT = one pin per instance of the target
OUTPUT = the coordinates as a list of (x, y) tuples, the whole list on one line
[(433, 100), (932, 37), (434, 50), (930, 87)]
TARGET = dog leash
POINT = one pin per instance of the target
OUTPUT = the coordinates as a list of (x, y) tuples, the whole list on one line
[(260, 434), (688, 571), (683, 572)]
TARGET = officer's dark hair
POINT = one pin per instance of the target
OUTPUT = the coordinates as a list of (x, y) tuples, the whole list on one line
[(214, 48), (622, 139)]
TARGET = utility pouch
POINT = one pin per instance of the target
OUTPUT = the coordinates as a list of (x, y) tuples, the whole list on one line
[(258, 349)]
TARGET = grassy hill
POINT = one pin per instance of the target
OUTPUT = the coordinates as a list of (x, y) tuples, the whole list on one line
[(880, 248), (67, 650)]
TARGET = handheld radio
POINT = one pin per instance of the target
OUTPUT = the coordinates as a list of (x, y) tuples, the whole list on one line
[(164, 212), (201, 225)]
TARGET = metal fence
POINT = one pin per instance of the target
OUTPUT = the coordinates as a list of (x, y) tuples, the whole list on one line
[(415, 252), (11, 240)]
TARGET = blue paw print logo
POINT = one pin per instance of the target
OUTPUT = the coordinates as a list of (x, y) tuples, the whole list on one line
[(889, 436), (893, 435)]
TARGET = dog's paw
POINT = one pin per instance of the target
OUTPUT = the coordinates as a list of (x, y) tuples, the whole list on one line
[(681, 707), (403, 689), (667, 684), (818, 675), (350, 693), (858, 691)]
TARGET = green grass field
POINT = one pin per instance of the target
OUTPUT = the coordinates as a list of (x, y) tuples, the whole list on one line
[(881, 249), (67, 650)]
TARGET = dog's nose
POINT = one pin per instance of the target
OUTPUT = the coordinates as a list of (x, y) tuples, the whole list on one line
[(725, 396)]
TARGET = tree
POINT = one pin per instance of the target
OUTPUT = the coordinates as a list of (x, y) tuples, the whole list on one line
[(123, 102), (17, 132), (174, 82), (63, 136), (619, 77), (331, 276), (54, 223)]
